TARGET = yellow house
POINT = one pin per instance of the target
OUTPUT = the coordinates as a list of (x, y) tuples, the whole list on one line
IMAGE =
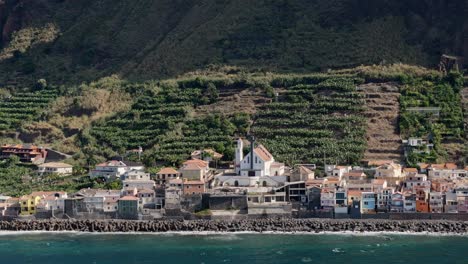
[(28, 204)]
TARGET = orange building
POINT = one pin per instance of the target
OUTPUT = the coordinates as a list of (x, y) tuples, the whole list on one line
[(422, 206), (26, 153)]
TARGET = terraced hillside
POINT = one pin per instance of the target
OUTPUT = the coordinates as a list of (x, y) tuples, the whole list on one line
[(382, 111), (312, 117), (22, 107), (338, 117), (314, 122)]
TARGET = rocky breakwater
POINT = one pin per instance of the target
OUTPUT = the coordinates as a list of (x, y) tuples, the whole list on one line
[(258, 225)]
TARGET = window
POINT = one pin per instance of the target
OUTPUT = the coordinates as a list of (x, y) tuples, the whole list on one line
[(366, 203), (256, 160), (199, 187)]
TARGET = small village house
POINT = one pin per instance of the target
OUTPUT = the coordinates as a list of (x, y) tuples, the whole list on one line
[(9, 207), (462, 199), (384, 198), (409, 204), (135, 175), (354, 195), (436, 202), (368, 202), (28, 204), (302, 173), (146, 199), (195, 170), (27, 153), (388, 171), (193, 187), (327, 198), (114, 169), (166, 174), (58, 168), (451, 203), (397, 203), (128, 207), (139, 184), (339, 171)]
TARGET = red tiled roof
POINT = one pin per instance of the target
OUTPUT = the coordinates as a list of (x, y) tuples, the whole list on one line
[(198, 162), (354, 193), (341, 167), (192, 167), (451, 166), (263, 153), (423, 165), (168, 170), (410, 170)]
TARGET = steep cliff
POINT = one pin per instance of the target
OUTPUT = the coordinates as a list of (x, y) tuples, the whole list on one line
[(151, 39)]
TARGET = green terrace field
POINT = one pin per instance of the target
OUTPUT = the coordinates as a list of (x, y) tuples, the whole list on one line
[(300, 118), (161, 123), (447, 127), (314, 123), (313, 117), (22, 107)]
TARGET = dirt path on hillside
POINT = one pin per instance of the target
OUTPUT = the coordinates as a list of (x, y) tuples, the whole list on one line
[(383, 139), (234, 101)]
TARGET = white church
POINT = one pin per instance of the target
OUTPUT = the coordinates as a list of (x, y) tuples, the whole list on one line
[(256, 169)]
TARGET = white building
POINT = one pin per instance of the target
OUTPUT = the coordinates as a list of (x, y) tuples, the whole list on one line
[(258, 162), (416, 181), (114, 169), (135, 175), (58, 168), (327, 198), (139, 184), (436, 202), (256, 169), (98, 199), (449, 174)]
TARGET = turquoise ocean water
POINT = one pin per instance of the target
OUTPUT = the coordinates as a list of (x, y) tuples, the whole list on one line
[(82, 248)]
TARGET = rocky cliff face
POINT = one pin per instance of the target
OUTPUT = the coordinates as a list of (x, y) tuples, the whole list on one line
[(151, 39)]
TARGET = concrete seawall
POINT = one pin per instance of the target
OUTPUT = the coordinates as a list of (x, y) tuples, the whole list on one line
[(258, 225)]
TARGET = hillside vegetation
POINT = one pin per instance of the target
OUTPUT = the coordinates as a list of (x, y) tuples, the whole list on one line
[(70, 41), (301, 118)]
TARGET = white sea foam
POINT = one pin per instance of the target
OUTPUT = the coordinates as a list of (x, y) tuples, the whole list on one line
[(384, 234)]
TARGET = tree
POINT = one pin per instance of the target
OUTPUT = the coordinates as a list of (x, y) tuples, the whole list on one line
[(41, 84), (211, 93)]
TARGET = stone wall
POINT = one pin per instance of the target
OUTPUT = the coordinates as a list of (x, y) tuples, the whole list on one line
[(191, 203), (223, 202), (252, 225)]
